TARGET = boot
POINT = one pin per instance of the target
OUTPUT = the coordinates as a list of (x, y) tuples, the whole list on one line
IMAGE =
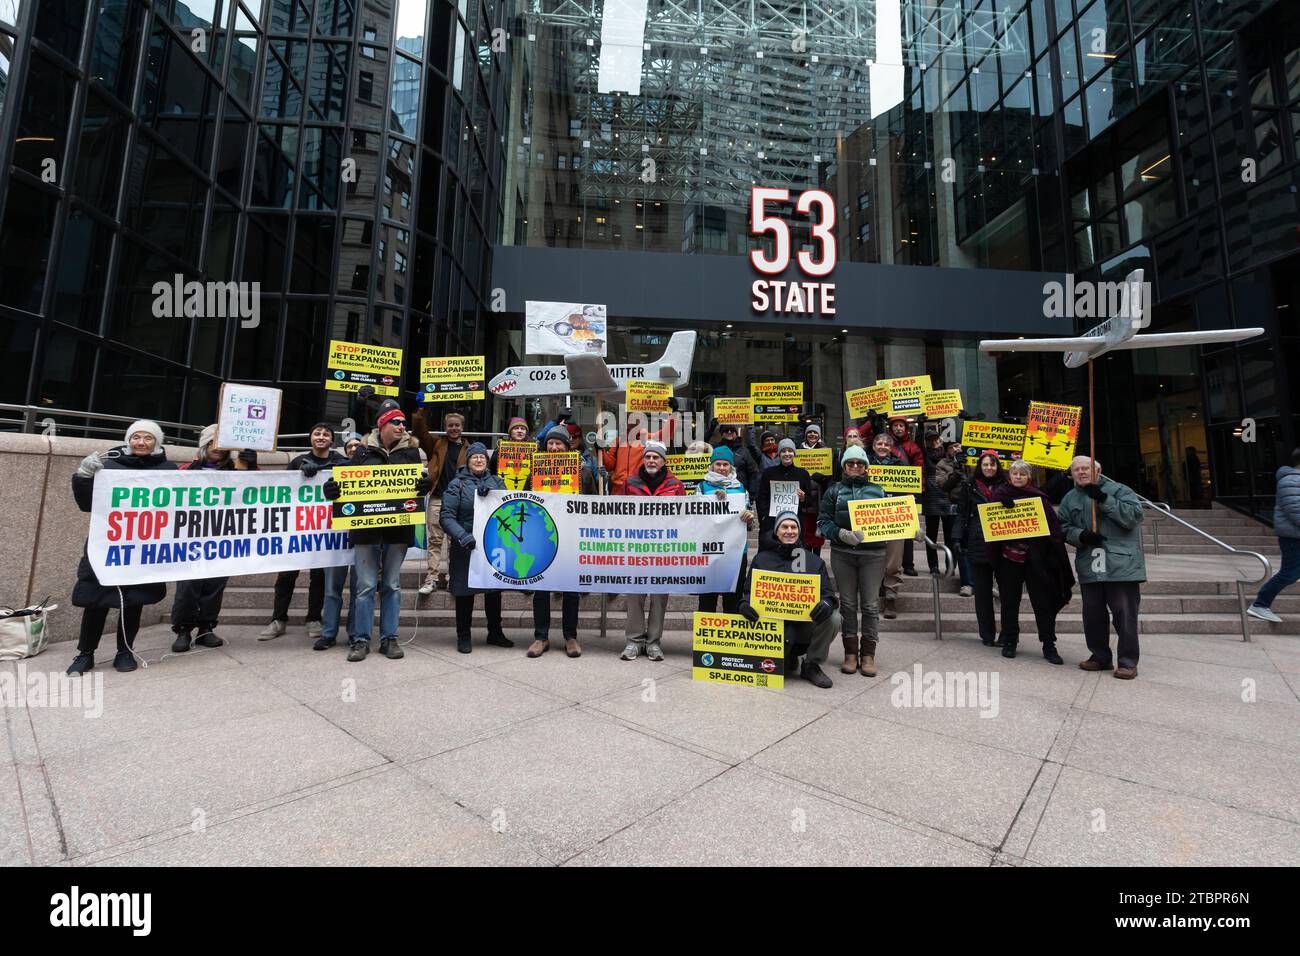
[(1050, 654), (890, 610), (867, 664), (850, 664)]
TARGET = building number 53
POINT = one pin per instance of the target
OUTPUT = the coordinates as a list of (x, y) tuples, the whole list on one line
[(785, 297)]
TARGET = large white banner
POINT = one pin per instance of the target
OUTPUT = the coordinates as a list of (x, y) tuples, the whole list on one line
[(178, 525), (564, 328), (558, 542)]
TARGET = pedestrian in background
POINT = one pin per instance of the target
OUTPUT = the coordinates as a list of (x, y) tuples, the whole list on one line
[(1286, 525)]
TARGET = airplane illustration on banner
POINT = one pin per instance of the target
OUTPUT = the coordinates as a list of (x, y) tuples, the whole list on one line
[(1118, 332), (589, 375)]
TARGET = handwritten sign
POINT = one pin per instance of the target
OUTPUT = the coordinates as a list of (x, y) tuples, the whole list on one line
[(248, 417)]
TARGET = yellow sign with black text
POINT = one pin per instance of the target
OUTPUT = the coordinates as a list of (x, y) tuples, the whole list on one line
[(884, 519), (646, 396), (815, 461), (905, 393), (1026, 520), (377, 496), (351, 365), (729, 649), (733, 411), (865, 401), (896, 479), (453, 378), (942, 404), (789, 597), (776, 401)]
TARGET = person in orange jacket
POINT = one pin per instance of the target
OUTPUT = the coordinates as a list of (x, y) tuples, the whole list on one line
[(623, 458)]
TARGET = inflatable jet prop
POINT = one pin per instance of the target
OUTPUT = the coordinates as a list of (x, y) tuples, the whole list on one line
[(589, 375)]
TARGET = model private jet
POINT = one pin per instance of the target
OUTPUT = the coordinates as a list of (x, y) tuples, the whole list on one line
[(589, 375)]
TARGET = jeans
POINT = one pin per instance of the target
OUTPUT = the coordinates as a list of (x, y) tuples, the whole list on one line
[(1012, 577), (542, 614), (93, 620), (284, 584), (368, 560), (857, 578), (730, 601), (332, 599), (981, 576), (1121, 599), (1286, 576), (197, 604)]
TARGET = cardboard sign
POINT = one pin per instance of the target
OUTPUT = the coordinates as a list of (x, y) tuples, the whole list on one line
[(815, 461), (896, 479), (905, 393), (728, 649), (351, 365), (377, 496), (865, 401), (565, 328), (515, 463), (557, 471), (979, 437), (944, 404), (643, 396), (1026, 520), (776, 401), (789, 597), (457, 378), (248, 416), (785, 497), (733, 411), (884, 519), (689, 469), (1051, 432)]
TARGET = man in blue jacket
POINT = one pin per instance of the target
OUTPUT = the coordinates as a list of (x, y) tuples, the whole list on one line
[(1286, 525)]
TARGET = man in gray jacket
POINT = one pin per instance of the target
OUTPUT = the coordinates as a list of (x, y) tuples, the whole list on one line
[(1286, 525), (1109, 563)]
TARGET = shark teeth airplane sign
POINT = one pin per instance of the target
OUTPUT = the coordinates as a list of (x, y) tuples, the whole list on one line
[(588, 374)]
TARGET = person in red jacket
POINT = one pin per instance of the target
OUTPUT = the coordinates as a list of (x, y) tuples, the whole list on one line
[(645, 625)]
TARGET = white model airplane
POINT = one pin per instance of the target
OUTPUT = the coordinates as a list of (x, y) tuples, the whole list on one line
[(588, 374), (1118, 332)]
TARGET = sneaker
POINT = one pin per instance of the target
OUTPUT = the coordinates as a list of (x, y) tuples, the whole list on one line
[(273, 630), (323, 644), (966, 591), (1263, 613), (814, 675), (391, 648), (631, 652), (654, 651), (82, 663), (208, 639), (313, 628), (359, 650), (182, 643), (124, 662), (463, 645), (428, 587), (499, 640)]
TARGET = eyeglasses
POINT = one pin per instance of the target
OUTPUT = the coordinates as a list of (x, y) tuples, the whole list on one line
[(398, 421), (855, 464)]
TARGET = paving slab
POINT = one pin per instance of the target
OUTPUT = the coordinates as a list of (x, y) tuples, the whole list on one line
[(745, 818), (1205, 649), (13, 835), (1218, 679), (1097, 820), (327, 675), (561, 785), (962, 788), (586, 678), (390, 818), (1027, 674), (41, 816)]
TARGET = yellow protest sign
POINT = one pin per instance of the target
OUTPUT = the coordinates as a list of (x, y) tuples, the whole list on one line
[(1005, 439), (776, 401), (905, 393), (1051, 433), (377, 496), (351, 365), (884, 519), (815, 461), (733, 411), (943, 404), (896, 479), (515, 463), (689, 468), (453, 378), (788, 597), (1026, 520), (558, 471), (646, 396), (729, 649), (865, 401)]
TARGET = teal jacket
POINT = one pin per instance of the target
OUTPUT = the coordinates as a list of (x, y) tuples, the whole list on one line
[(1119, 521)]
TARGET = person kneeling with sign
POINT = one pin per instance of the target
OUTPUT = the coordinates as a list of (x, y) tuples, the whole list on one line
[(785, 554)]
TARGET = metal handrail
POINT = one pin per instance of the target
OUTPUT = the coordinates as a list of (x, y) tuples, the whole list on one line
[(1163, 509), (30, 418), (934, 584)]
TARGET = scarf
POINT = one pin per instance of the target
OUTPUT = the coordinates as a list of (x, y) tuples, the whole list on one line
[(723, 481)]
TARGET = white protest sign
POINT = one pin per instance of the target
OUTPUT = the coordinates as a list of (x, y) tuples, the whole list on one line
[(248, 416), (785, 497)]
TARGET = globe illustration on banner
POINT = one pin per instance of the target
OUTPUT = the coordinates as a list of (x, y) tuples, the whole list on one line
[(521, 539)]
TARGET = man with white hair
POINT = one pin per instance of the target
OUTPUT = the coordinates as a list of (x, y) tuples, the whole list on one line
[(1103, 520)]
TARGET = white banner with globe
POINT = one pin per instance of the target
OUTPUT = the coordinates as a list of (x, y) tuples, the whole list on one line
[(558, 542)]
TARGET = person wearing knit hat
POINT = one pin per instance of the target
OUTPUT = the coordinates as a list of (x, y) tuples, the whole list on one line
[(143, 451), (457, 517), (859, 565), (721, 482), (446, 454), (767, 451), (378, 552), (746, 459), (783, 552), (516, 477), (517, 429), (785, 470)]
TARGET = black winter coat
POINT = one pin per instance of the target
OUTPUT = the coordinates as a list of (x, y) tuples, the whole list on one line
[(88, 592), (763, 497), (457, 520), (967, 531), (775, 556)]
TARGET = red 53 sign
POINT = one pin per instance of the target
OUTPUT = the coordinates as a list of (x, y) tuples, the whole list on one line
[(783, 297)]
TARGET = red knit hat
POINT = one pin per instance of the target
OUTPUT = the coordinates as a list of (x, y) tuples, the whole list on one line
[(575, 431), (390, 415)]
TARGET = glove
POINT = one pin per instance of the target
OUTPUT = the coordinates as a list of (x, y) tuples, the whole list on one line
[(672, 403), (483, 490), (1008, 503), (248, 457), (467, 542), (851, 538), (331, 489), (309, 469), (90, 464), (365, 391), (1090, 539), (748, 613), (1095, 493), (821, 611), (564, 415), (423, 485)]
